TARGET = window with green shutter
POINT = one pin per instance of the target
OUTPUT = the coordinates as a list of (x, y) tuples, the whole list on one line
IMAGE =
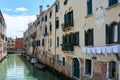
[(63, 61), (89, 7), (50, 14), (68, 19), (50, 27), (112, 2), (71, 18), (57, 23), (57, 41), (45, 29), (42, 42), (88, 67), (89, 37), (45, 17), (107, 34), (76, 39), (65, 2)]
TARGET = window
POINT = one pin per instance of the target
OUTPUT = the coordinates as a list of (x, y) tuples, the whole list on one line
[(57, 58), (45, 29), (113, 33), (38, 42), (68, 41), (112, 70), (89, 37), (57, 6), (89, 7), (50, 27), (68, 19), (45, 17), (42, 42), (50, 14), (112, 2), (42, 19), (76, 43), (57, 41), (57, 23), (88, 67), (65, 2), (63, 61)]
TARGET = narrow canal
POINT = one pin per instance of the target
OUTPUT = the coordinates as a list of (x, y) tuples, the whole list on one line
[(16, 68)]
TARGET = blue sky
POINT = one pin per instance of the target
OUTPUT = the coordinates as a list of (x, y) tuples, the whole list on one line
[(18, 13)]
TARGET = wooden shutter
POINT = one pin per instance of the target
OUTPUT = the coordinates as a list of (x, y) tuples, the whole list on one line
[(77, 38), (91, 37), (71, 18), (73, 38), (86, 38), (119, 32), (64, 20), (67, 19), (63, 61), (89, 7), (107, 34)]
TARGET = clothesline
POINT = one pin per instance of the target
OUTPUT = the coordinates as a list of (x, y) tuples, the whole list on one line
[(102, 50)]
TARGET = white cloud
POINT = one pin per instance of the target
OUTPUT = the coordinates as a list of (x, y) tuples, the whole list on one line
[(7, 9), (17, 24), (22, 9)]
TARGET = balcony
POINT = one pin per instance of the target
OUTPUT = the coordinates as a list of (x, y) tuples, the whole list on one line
[(107, 50), (67, 26), (67, 47)]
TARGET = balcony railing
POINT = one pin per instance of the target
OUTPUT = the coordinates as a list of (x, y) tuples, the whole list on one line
[(67, 26), (67, 47)]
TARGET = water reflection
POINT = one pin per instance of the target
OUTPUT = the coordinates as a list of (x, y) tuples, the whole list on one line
[(15, 68)]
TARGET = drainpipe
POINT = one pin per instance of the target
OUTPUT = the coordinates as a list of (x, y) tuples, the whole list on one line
[(55, 36)]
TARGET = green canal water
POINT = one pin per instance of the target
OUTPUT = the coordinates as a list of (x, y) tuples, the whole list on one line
[(16, 68)]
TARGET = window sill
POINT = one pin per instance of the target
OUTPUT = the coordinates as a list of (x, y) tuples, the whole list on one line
[(114, 5), (89, 15), (68, 51), (89, 76)]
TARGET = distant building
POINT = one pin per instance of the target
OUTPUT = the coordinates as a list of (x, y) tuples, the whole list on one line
[(10, 45), (19, 44), (3, 38)]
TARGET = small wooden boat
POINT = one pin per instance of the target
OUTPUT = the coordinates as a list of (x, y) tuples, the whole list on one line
[(34, 60), (40, 66)]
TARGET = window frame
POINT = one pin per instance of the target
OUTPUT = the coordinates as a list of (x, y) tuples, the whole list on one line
[(91, 74)]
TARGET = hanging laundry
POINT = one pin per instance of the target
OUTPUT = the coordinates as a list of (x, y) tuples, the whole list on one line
[(108, 50), (103, 50), (84, 49), (93, 50), (115, 49), (89, 50), (99, 51)]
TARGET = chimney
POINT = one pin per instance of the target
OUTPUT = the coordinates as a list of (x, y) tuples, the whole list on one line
[(48, 6), (41, 8)]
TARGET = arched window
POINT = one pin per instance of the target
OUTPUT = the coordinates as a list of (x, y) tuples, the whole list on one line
[(57, 22), (112, 33)]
